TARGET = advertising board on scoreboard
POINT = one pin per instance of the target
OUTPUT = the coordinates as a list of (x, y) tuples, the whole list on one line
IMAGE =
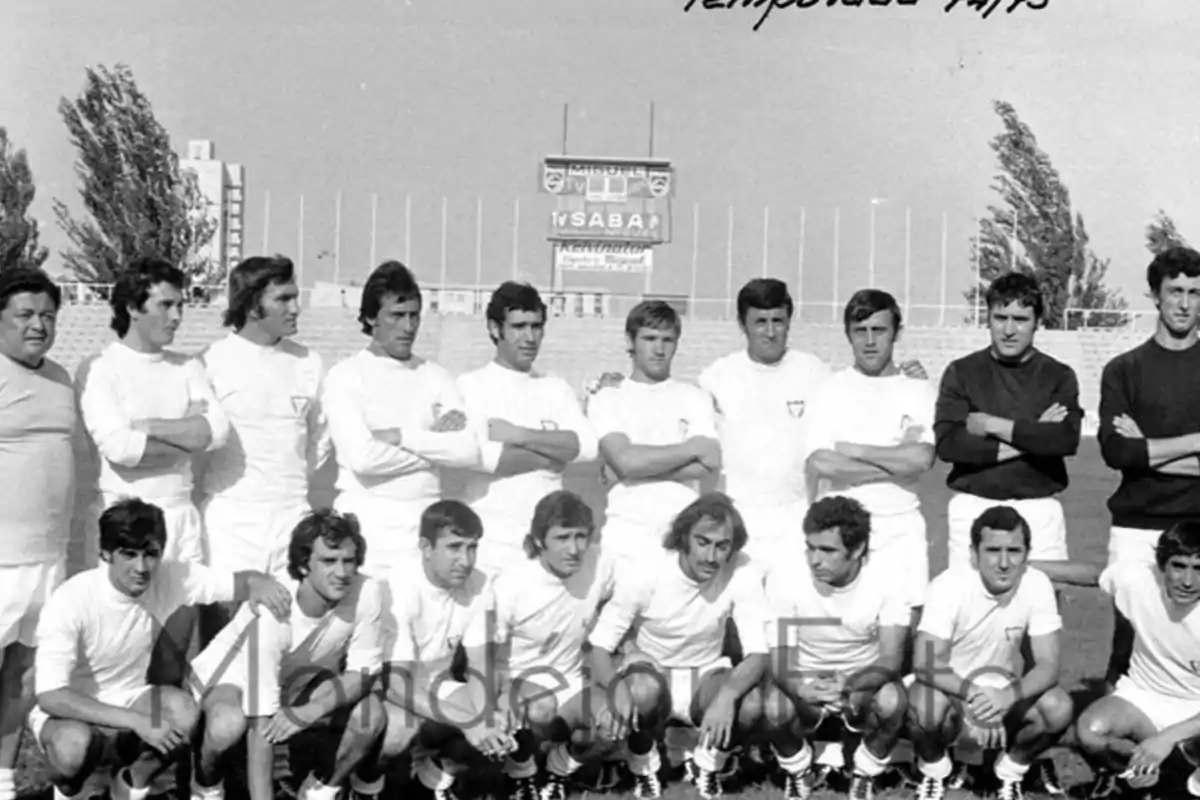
[(603, 257), (600, 222)]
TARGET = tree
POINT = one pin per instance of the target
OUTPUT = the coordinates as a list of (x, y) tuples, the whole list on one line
[(1162, 234), (1034, 229), (139, 200), (18, 232)]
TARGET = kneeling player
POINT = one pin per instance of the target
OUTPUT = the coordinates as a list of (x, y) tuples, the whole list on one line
[(284, 682), (437, 635), (95, 640), (677, 602), (968, 655), (1156, 706), (838, 630), (544, 610)]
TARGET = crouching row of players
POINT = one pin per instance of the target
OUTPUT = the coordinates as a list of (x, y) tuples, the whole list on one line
[(564, 659)]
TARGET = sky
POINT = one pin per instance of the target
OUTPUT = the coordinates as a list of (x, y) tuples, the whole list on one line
[(808, 118)]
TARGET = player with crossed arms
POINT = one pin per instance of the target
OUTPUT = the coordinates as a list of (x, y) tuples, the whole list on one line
[(677, 602), (657, 435), (838, 632), (396, 420), (967, 659), (438, 689), (545, 608), (307, 680)]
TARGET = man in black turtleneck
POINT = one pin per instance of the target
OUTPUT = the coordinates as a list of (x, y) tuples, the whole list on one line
[(1150, 426), (1007, 417)]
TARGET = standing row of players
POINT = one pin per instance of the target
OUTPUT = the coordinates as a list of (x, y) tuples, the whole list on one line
[(262, 408)]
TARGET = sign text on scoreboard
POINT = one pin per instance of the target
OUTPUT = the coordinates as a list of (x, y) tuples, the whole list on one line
[(607, 180), (603, 256), (597, 222)]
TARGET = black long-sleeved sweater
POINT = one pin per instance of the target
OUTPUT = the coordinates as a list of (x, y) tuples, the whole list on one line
[(1019, 392), (1160, 390)]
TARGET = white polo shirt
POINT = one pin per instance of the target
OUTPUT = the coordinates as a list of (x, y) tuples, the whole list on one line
[(666, 413), (680, 623), (762, 410), (1166, 644), (879, 411), (834, 629), (984, 630)]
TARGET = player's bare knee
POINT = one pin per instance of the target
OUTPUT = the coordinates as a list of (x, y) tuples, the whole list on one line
[(928, 708), (541, 709), (1094, 727), (890, 702), (1056, 710), (67, 746), (177, 707), (750, 709), (646, 690), (367, 720), (400, 728), (224, 726)]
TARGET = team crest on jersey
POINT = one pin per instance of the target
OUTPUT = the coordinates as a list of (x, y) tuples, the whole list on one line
[(436, 408), (1014, 633), (796, 408), (299, 404), (549, 425), (683, 428)]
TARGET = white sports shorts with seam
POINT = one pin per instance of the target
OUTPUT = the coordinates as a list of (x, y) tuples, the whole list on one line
[(185, 529), (901, 542), (240, 535), (24, 589), (1047, 526), (37, 718), (391, 529), (682, 682), (1162, 711), (1132, 544)]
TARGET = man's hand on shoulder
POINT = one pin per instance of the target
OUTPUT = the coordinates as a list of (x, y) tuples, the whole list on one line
[(913, 368), (264, 591), (453, 420)]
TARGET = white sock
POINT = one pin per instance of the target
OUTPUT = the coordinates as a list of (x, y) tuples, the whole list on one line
[(560, 761), (60, 795), (315, 790), (359, 786), (866, 763), (1193, 783), (122, 787), (518, 770), (1010, 771), (798, 763), (433, 777), (643, 763), (939, 770), (709, 759), (216, 792)]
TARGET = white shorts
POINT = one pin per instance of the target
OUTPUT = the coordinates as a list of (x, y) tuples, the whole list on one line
[(240, 536), (1047, 526), (773, 531), (1163, 711), (564, 688), (391, 528), (24, 589), (900, 541), (682, 682), (185, 531), (1132, 544), (37, 718)]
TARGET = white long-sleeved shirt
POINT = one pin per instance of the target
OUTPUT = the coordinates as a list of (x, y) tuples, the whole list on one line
[(530, 400), (121, 386), (367, 393), (761, 423), (274, 662), (98, 641), (37, 462), (278, 436)]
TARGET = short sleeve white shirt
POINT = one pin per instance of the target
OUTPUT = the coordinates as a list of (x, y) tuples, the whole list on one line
[(878, 411), (656, 414), (984, 630), (1166, 644), (762, 409)]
